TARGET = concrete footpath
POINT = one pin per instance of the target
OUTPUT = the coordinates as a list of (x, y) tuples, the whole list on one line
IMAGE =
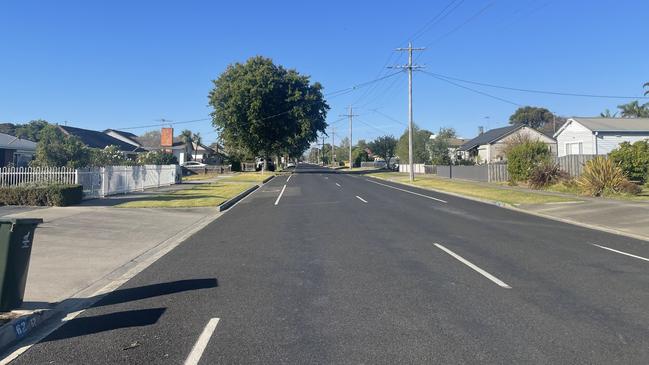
[(630, 218)]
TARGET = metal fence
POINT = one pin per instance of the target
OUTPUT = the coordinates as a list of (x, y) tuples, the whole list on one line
[(418, 168), (14, 176)]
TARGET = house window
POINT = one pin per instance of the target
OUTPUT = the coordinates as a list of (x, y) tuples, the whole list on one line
[(574, 148)]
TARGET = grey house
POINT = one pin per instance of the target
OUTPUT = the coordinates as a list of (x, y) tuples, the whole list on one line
[(15, 151)]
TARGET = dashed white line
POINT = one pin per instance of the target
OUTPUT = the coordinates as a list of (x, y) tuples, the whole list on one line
[(469, 264), (361, 199), (280, 195), (338, 185), (197, 351), (406, 191), (621, 252), (289, 178)]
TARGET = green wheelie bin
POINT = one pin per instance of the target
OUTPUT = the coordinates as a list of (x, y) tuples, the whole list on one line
[(16, 237)]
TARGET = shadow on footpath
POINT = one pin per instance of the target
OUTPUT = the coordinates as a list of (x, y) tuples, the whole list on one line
[(86, 325)]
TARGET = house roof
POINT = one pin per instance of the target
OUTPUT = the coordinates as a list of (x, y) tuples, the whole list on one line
[(457, 142), (610, 124), (490, 136), (10, 142), (96, 139), (125, 134)]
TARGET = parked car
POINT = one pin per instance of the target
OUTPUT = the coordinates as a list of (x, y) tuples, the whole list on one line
[(259, 164), (191, 164), (290, 165)]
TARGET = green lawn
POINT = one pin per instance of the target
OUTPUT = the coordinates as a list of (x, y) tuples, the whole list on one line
[(207, 195), (474, 190)]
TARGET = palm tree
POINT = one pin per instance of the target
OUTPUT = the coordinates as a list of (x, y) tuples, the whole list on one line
[(186, 138), (197, 140), (634, 110), (607, 114)]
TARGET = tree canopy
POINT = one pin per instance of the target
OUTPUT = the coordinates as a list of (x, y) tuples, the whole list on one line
[(634, 110), (264, 109), (531, 116), (30, 131), (385, 147), (438, 147), (55, 149), (420, 138)]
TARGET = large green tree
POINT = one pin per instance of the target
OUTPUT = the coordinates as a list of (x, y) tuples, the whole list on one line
[(384, 146), (438, 147), (531, 116), (55, 149), (265, 109), (420, 138)]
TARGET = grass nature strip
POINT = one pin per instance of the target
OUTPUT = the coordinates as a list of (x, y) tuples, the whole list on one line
[(203, 195), (475, 190)]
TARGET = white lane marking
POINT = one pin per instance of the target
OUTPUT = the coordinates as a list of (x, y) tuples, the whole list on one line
[(406, 191), (338, 184), (361, 199), (479, 270), (289, 178), (326, 178), (197, 351), (280, 195), (621, 252)]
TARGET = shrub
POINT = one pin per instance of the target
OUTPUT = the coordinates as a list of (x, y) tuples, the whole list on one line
[(41, 195), (546, 174), (601, 176), (633, 159), (523, 158), (157, 158), (630, 188)]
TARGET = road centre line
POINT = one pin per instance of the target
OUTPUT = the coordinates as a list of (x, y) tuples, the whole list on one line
[(338, 185), (361, 199), (280, 195), (289, 178), (621, 252), (406, 191), (200, 345), (469, 264)]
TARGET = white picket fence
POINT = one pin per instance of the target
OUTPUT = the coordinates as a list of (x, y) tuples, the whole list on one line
[(12, 176), (97, 181)]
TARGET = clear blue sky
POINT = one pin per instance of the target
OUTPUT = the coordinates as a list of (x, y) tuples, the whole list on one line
[(119, 64)]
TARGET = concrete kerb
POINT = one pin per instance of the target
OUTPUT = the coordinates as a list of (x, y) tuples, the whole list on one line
[(520, 210), (232, 201)]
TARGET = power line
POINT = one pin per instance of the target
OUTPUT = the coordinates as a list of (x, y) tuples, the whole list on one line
[(167, 123), (436, 20), (537, 91), (358, 86), (470, 19), (389, 117), (471, 89)]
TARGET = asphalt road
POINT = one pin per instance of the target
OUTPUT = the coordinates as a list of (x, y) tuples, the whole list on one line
[(341, 269)]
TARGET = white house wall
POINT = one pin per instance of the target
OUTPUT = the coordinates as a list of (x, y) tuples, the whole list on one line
[(497, 149), (608, 142), (574, 133)]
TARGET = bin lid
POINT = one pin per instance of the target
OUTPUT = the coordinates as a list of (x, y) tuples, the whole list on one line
[(21, 220)]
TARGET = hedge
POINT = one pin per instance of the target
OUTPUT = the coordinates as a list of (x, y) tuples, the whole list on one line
[(41, 195)]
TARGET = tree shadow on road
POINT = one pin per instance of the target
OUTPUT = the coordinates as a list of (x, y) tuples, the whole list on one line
[(91, 324)]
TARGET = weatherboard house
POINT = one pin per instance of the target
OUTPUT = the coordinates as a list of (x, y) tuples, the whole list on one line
[(489, 147), (599, 136)]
